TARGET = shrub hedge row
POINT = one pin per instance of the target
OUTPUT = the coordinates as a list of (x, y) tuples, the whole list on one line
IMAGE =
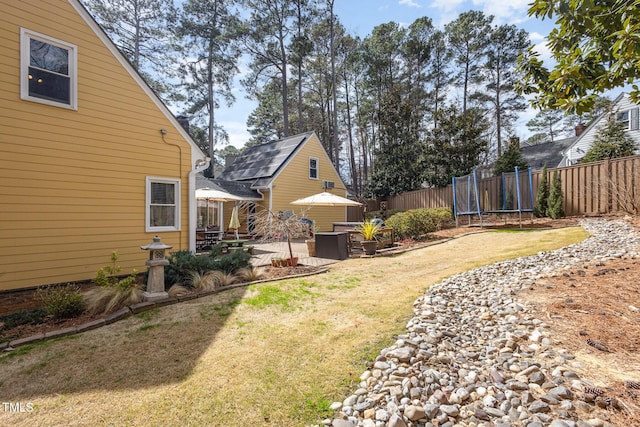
[(416, 223)]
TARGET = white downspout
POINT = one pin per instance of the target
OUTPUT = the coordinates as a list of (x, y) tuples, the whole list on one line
[(199, 165)]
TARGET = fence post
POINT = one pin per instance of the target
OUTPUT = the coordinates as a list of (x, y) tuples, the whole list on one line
[(609, 179)]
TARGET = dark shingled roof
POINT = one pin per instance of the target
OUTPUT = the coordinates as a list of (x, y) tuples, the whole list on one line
[(240, 189), (259, 164), (549, 153)]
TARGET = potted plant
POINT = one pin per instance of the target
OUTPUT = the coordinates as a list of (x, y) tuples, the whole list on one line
[(369, 230)]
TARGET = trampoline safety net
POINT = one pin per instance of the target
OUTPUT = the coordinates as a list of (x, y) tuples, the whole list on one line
[(513, 193)]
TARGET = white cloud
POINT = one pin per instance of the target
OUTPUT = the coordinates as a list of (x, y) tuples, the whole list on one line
[(545, 53), (447, 11), (511, 12), (535, 36), (409, 3), (238, 135)]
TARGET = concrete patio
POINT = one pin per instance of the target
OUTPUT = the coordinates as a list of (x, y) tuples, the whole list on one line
[(265, 251)]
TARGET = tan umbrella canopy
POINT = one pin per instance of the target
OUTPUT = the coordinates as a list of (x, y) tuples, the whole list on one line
[(217, 195), (207, 194), (325, 199)]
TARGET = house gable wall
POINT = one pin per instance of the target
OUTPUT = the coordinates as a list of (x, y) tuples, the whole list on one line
[(586, 140), (293, 183), (74, 180)]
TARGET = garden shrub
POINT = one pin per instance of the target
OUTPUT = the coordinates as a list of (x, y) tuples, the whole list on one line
[(107, 276), (416, 223), (27, 317), (554, 205), (230, 263), (61, 302), (113, 292), (542, 198), (184, 264)]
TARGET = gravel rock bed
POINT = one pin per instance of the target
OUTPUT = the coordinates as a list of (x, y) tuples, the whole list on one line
[(475, 355)]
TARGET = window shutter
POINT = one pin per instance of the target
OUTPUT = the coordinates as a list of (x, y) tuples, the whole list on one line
[(634, 119)]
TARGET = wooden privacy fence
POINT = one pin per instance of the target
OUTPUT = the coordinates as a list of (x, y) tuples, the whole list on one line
[(608, 186)]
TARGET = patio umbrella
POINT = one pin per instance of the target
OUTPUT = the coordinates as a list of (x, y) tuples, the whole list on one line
[(325, 199), (207, 194), (216, 195), (235, 220)]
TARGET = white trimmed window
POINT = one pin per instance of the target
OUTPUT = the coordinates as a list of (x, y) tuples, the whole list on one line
[(313, 168), (48, 70), (624, 117), (162, 204)]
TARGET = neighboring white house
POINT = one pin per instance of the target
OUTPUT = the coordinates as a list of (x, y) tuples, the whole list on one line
[(625, 110)]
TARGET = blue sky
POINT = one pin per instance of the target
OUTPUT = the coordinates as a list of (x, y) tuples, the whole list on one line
[(361, 16)]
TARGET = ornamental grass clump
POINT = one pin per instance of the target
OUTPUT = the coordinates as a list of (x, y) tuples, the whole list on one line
[(249, 274), (113, 292)]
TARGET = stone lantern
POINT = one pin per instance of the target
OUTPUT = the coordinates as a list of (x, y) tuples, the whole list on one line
[(156, 262)]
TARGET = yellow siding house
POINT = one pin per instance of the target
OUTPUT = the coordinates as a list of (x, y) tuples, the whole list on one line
[(91, 161), (286, 170)]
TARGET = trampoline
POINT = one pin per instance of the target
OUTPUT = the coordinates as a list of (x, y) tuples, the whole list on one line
[(511, 193)]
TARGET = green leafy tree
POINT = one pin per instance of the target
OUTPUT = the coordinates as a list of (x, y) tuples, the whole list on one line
[(266, 38), (144, 32), (301, 47), (594, 48), (610, 142), (468, 38), (601, 105), (503, 47), (417, 51), (397, 166), (542, 198), (208, 28), (547, 123), (265, 122), (456, 146), (510, 158), (554, 205), (439, 77)]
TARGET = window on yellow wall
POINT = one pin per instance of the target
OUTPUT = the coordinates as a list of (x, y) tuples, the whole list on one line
[(162, 204), (313, 168), (48, 70)]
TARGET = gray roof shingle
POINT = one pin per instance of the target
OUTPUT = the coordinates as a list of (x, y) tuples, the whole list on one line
[(240, 189), (549, 153), (259, 164)]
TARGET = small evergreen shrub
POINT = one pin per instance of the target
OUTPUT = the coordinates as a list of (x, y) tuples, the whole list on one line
[(61, 302), (230, 263), (27, 317), (554, 207), (416, 223), (107, 276), (113, 292), (540, 208), (183, 265)]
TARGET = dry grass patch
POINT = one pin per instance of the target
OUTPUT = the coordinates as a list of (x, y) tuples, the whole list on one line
[(275, 354)]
